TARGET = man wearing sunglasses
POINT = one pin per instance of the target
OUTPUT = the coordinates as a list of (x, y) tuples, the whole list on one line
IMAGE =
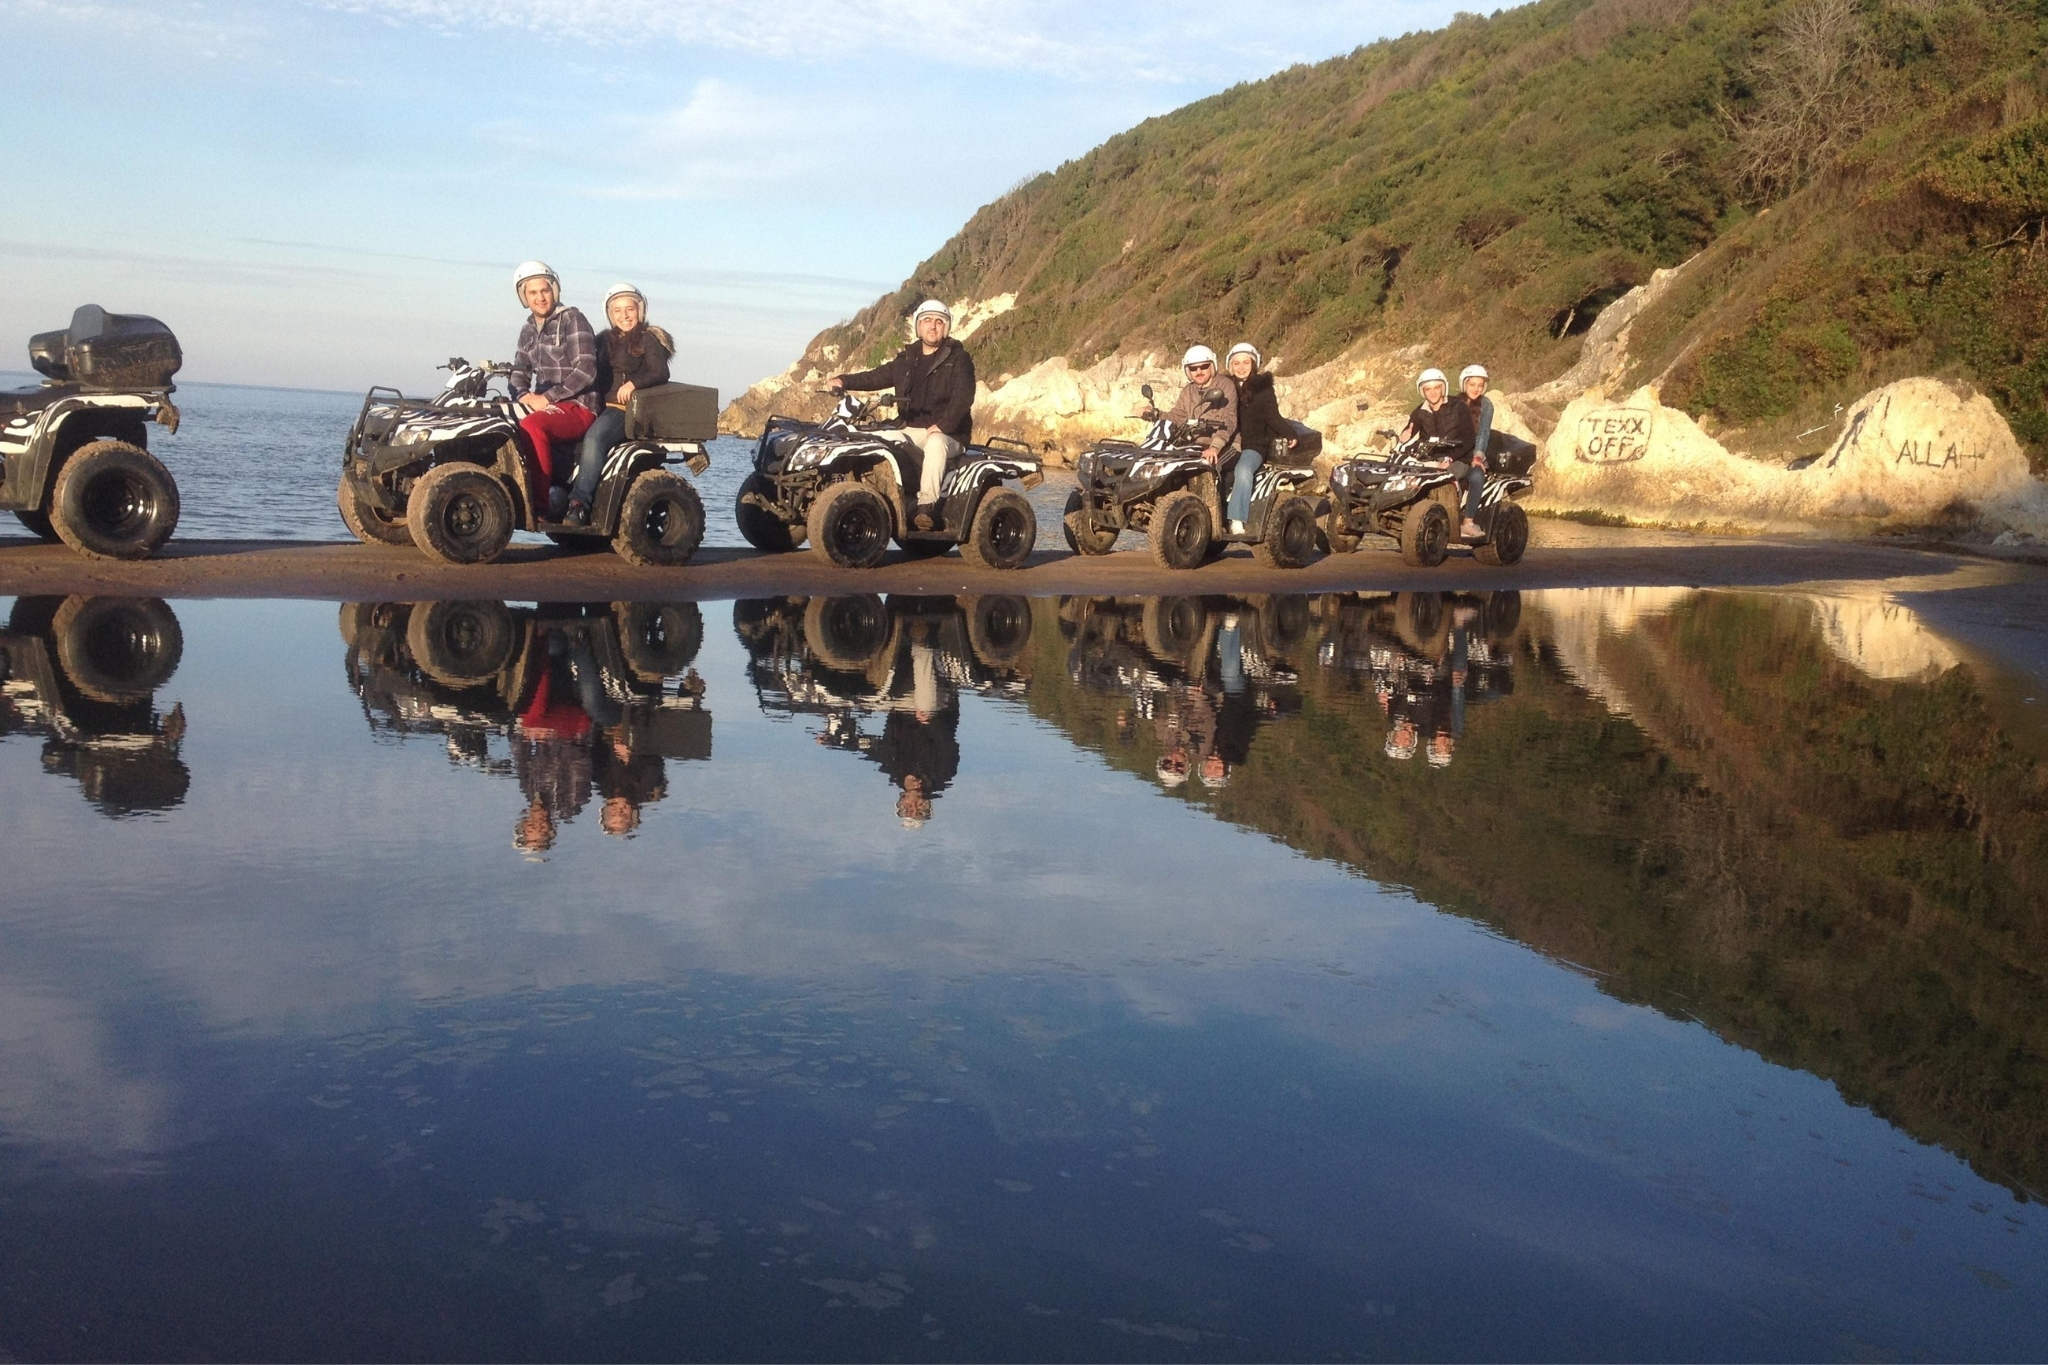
[(1199, 365)]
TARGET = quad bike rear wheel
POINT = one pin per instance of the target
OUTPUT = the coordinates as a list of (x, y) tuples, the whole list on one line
[(658, 639), (661, 521), (846, 633), (850, 525), (760, 527), (37, 524), (1172, 627), (1332, 538), (460, 514), (1004, 532), (461, 644), (1082, 538), (1425, 535), (1180, 532), (117, 649), (114, 500), (365, 521), (1290, 539), (1506, 538)]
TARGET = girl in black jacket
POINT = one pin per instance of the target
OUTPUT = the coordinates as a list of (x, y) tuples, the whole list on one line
[(1259, 425), (632, 354)]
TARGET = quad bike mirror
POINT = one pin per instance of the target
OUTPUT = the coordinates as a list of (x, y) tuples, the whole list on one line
[(1215, 397), (1365, 405), (1145, 390)]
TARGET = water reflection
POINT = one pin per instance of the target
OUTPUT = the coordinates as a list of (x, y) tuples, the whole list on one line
[(569, 701), (83, 673), (847, 660)]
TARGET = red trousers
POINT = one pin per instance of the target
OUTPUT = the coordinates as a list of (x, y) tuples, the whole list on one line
[(562, 422)]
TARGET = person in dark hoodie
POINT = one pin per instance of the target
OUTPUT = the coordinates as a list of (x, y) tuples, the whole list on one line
[(1259, 425), (632, 354), (934, 381), (1452, 422)]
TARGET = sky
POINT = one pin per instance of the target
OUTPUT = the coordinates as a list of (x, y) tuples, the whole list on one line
[(329, 195)]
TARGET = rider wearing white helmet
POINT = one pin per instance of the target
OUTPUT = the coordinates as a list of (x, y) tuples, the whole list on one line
[(1450, 424), (1199, 365), (554, 371), (934, 381), (631, 355)]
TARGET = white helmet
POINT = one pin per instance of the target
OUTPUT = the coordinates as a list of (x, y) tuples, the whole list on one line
[(1439, 758), (1473, 372), (529, 270), (624, 290), (1245, 348), (1401, 743), (934, 308), (1198, 355), (1431, 376)]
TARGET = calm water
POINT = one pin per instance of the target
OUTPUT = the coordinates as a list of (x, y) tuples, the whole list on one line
[(261, 464), (1601, 974)]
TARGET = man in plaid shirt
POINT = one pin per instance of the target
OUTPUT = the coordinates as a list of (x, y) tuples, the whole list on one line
[(554, 373)]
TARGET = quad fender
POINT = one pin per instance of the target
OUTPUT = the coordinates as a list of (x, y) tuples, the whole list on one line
[(63, 427), (624, 464)]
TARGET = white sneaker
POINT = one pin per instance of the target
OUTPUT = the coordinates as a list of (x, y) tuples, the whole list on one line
[(1471, 531), (1237, 528)]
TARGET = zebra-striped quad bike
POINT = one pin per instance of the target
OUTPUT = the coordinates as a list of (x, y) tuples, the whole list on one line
[(847, 491), (453, 476), (1410, 493), (1165, 486), (74, 452)]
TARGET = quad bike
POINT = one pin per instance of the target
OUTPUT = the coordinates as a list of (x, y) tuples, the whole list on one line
[(83, 673), (827, 655), (467, 670), (847, 491), (74, 452), (1165, 486), (1409, 492), (453, 475)]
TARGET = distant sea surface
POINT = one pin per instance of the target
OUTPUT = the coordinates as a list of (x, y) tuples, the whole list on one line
[(262, 464)]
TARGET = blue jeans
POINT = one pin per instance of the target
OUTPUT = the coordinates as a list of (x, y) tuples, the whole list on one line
[(1230, 657), (1475, 480), (1241, 482), (607, 431)]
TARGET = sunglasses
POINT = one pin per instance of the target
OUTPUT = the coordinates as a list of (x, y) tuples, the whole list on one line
[(1205, 365)]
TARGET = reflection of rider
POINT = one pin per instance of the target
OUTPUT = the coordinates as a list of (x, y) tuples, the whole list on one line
[(551, 758), (626, 782), (632, 355), (1187, 736), (554, 371), (934, 381), (920, 747)]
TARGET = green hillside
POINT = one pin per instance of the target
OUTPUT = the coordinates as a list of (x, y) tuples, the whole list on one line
[(1866, 179)]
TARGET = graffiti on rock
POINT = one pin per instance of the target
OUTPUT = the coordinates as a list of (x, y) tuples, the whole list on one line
[(1614, 436)]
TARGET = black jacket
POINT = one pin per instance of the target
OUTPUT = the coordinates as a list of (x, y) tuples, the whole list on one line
[(1259, 422), (939, 394), (618, 363), (1452, 422)]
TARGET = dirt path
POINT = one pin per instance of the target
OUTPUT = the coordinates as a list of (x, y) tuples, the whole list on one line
[(1564, 555)]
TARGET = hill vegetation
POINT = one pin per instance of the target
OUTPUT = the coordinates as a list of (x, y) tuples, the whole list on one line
[(1860, 186)]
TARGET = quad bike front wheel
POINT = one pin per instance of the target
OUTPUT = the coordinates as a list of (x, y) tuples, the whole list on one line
[(1506, 538), (846, 633), (114, 500), (850, 525), (999, 629), (117, 649), (461, 644), (1180, 531), (661, 522), (365, 520), (1290, 539), (1004, 532), (1082, 538), (760, 527), (1425, 535), (460, 514)]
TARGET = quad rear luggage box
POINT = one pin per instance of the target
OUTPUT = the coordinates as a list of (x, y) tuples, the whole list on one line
[(672, 412), (668, 731), (105, 350)]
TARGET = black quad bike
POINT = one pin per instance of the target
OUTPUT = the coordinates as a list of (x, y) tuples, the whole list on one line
[(74, 452), (847, 491), (451, 474), (83, 673), (1409, 492), (825, 655), (1166, 487)]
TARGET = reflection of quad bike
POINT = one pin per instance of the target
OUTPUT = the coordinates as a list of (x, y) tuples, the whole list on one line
[(847, 491), (453, 475), (1130, 644), (74, 453), (1405, 639), (1409, 493), (824, 655), (467, 669), (1165, 487), (83, 673)]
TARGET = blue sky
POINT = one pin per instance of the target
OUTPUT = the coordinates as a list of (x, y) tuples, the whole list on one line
[(334, 194)]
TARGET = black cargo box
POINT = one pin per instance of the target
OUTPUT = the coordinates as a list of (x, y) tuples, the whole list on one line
[(105, 350), (1306, 443), (668, 731), (672, 412)]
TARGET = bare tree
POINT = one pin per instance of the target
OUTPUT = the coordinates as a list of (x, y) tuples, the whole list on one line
[(1819, 88)]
